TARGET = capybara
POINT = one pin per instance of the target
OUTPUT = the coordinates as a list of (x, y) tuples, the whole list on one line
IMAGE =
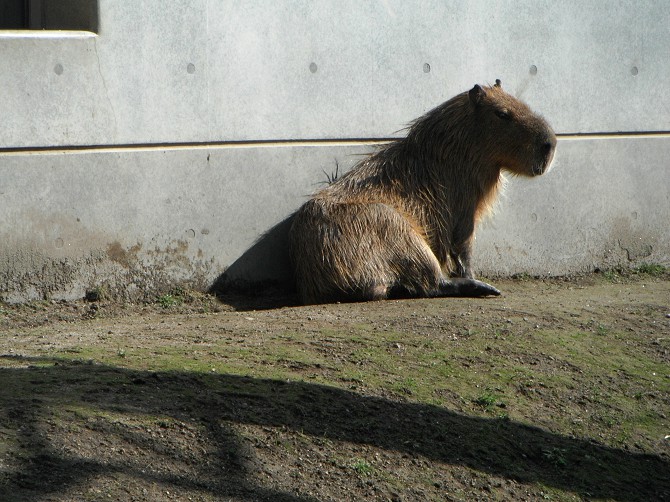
[(401, 222)]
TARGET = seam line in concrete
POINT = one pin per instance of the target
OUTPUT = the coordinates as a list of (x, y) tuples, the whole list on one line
[(46, 34), (614, 135), (194, 145), (275, 143)]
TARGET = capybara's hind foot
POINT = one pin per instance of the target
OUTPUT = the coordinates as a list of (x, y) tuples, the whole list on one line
[(459, 286)]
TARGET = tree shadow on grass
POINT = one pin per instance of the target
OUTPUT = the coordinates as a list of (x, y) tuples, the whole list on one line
[(34, 388)]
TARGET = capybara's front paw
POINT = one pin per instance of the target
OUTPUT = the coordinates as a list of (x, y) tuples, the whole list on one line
[(484, 289), (472, 288), (460, 286)]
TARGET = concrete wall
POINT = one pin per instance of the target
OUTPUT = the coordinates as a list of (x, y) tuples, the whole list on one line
[(157, 151)]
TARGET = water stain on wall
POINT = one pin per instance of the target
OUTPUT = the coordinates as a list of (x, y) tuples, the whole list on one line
[(125, 272)]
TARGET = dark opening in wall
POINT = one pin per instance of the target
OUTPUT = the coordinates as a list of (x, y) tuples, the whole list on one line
[(78, 15)]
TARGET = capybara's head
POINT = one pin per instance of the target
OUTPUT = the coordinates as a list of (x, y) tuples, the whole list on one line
[(509, 134)]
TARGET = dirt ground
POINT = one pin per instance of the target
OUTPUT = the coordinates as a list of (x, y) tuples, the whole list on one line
[(557, 390)]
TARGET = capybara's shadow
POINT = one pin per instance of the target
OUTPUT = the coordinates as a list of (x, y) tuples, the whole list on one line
[(107, 399), (261, 278)]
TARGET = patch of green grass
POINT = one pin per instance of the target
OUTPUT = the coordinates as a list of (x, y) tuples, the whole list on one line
[(407, 386), (486, 400), (652, 269), (362, 467), (169, 300), (612, 275), (489, 401), (617, 275), (176, 297), (602, 329)]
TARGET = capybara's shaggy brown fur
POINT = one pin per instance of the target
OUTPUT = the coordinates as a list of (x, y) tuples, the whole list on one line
[(402, 221)]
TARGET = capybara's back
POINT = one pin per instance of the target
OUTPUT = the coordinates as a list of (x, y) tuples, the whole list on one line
[(402, 221)]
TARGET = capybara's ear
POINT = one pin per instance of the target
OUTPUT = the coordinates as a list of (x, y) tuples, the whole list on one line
[(498, 83), (476, 94)]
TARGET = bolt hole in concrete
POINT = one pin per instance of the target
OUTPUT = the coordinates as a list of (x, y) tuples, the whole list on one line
[(533, 69), (190, 233), (313, 67), (58, 69), (634, 71), (426, 68), (190, 68)]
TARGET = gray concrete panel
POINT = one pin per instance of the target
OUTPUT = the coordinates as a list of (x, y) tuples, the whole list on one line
[(604, 204), (138, 218), (210, 70), (138, 221), (141, 221)]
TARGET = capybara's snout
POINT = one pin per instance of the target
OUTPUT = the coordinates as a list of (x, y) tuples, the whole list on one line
[(545, 149)]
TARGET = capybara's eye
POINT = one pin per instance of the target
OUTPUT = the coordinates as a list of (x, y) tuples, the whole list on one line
[(503, 114)]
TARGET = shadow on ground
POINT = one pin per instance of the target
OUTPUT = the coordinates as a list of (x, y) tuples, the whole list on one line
[(262, 277), (215, 403)]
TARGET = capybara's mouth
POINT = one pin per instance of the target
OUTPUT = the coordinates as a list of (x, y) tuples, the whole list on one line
[(539, 170), (544, 166), (549, 149)]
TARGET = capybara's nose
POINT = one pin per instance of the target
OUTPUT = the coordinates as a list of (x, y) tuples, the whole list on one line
[(549, 145)]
